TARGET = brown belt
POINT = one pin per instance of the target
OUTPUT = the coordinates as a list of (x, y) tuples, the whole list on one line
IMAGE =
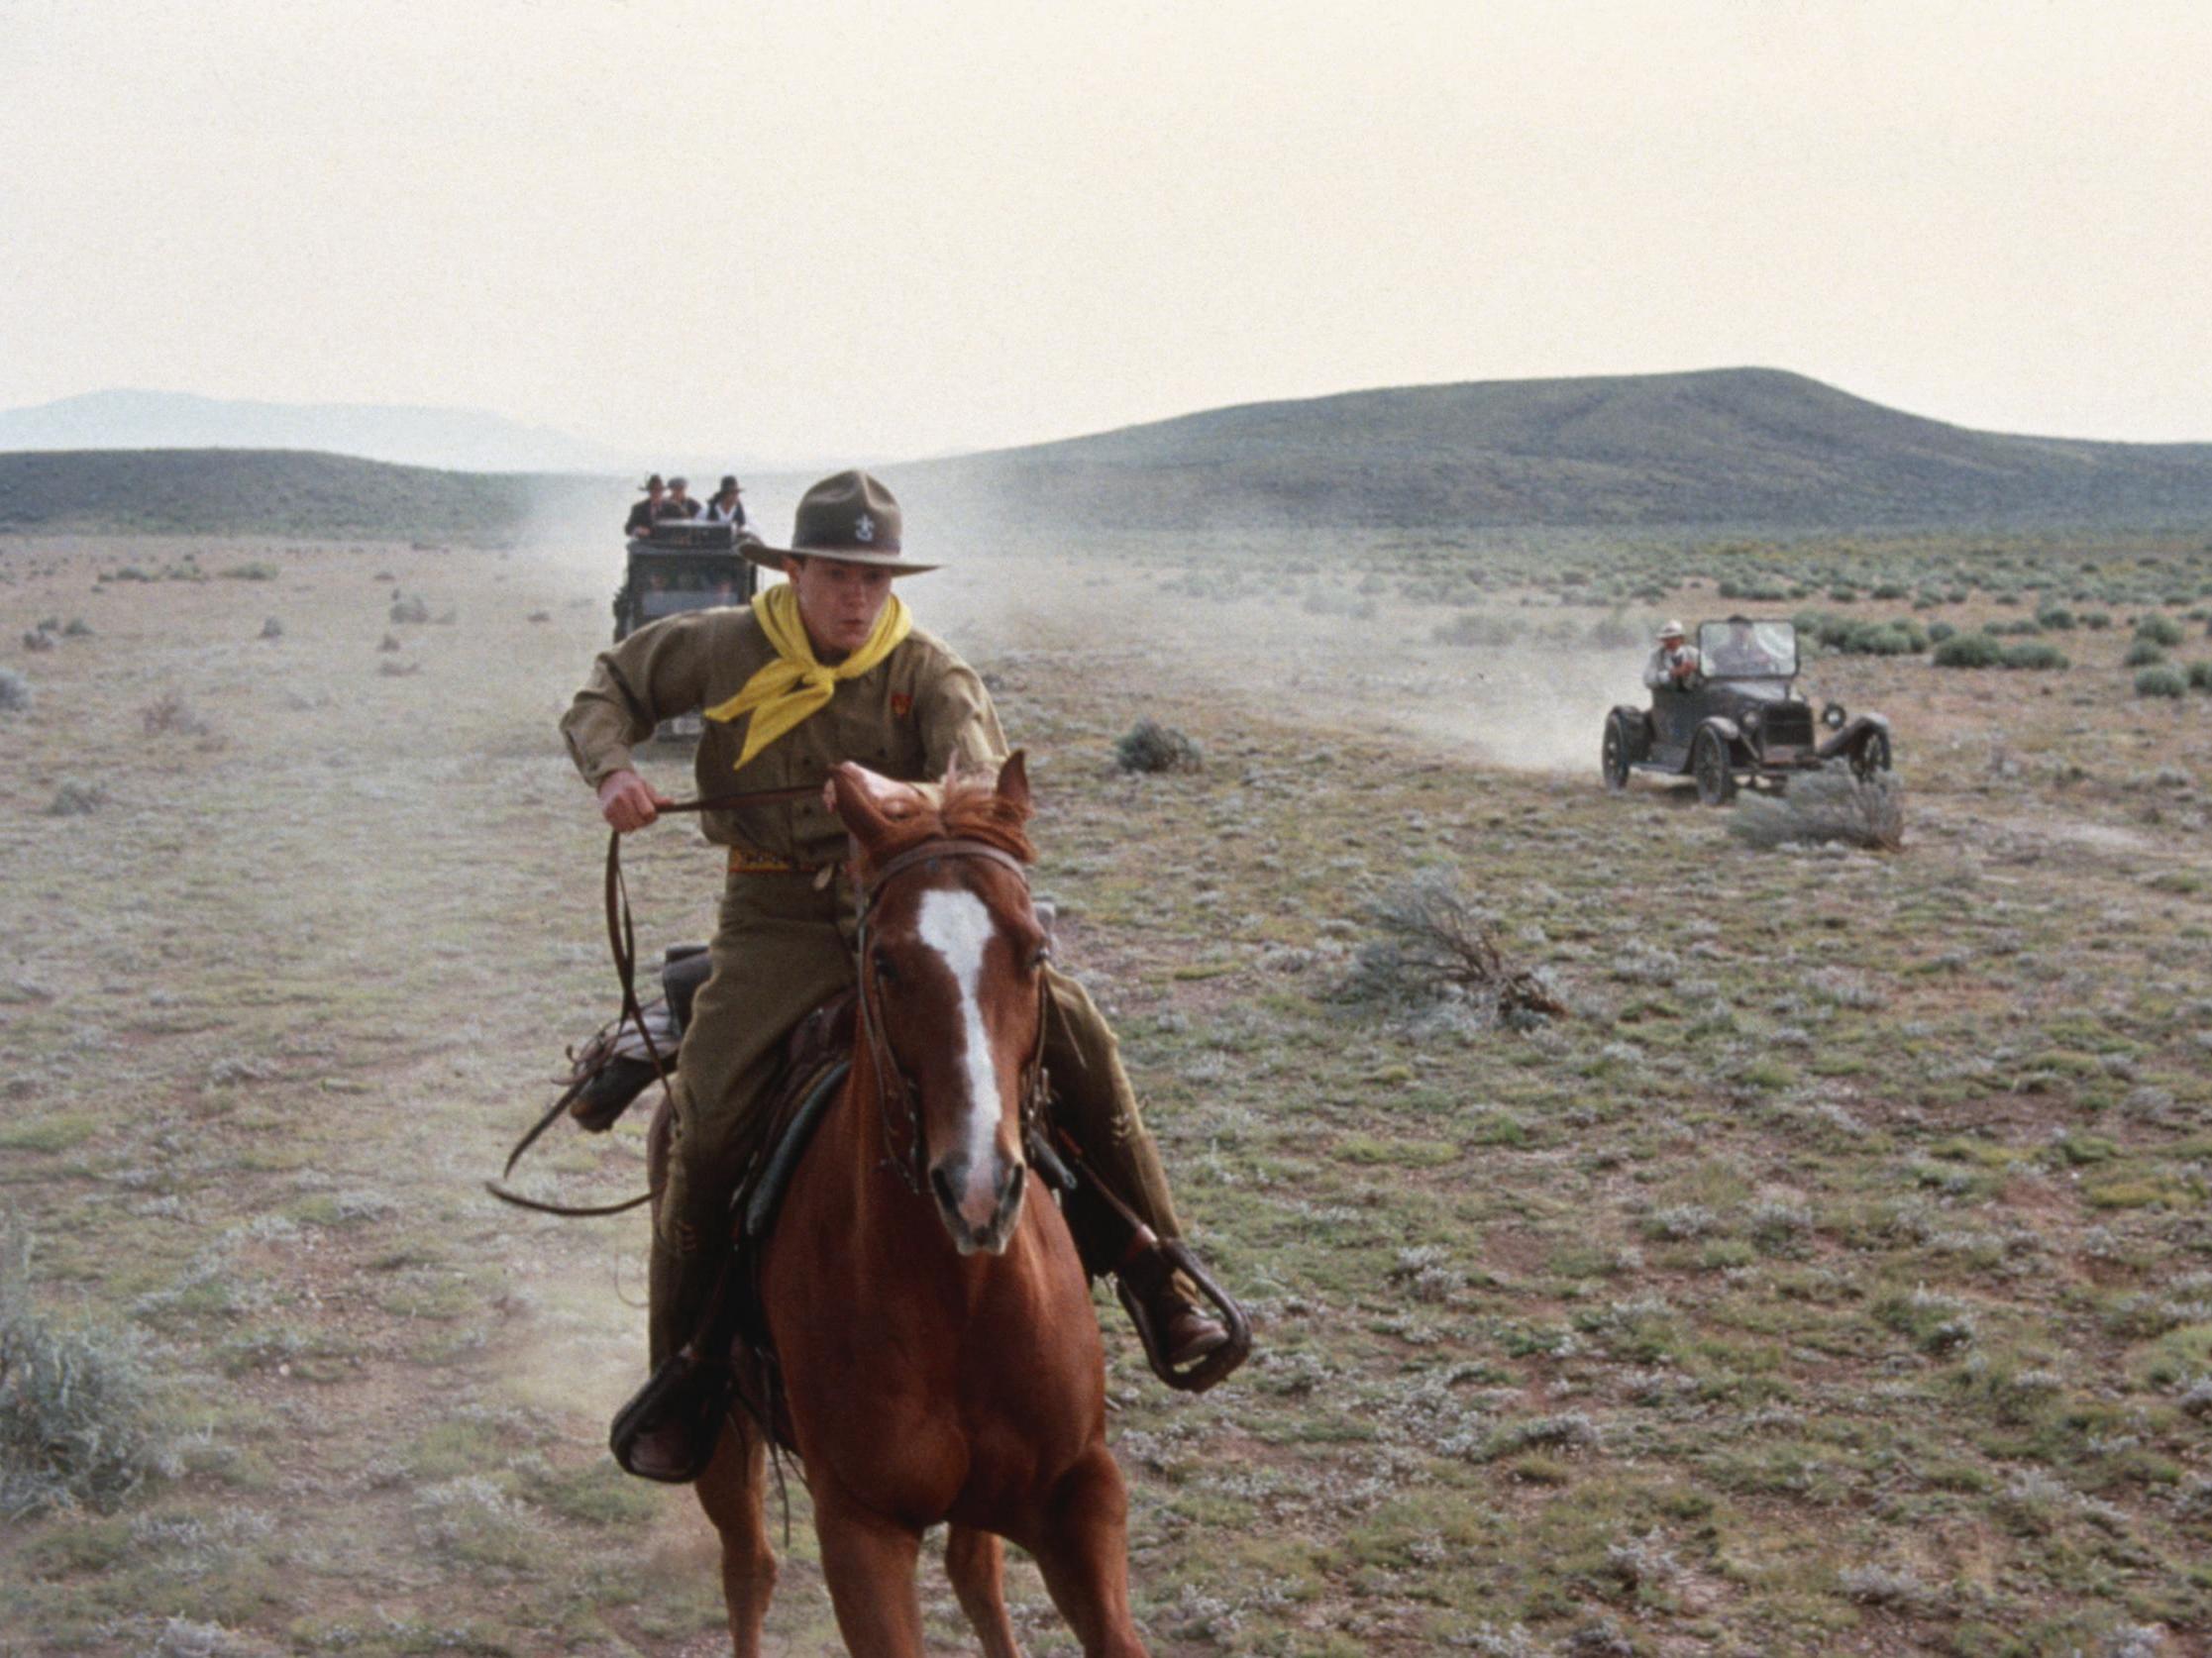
[(745, 861)]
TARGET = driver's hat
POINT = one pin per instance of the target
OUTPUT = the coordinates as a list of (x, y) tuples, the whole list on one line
[(1669, 630)]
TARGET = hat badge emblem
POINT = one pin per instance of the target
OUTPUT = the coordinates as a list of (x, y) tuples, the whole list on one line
[(863, 529)]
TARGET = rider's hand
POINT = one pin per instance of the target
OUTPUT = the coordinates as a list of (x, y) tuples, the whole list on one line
[(628, 801)]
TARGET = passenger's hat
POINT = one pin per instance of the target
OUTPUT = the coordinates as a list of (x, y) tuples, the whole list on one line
[(679, 483), (730, 486), (1670, 630), (850, 518), (652, 483)]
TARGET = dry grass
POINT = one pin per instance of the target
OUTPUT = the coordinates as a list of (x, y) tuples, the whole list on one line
[(1831, 1283)]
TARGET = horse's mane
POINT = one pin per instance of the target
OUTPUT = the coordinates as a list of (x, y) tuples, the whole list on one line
[(963, 809)]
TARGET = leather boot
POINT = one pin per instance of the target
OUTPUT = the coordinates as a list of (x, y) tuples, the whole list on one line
[(669, 1429), (1186, 1332)]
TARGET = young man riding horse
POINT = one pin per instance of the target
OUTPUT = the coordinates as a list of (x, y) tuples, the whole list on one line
[(829, 668)]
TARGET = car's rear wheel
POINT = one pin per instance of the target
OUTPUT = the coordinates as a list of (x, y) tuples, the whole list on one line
[(1872, 755), (1709, 763), (1613, 757)]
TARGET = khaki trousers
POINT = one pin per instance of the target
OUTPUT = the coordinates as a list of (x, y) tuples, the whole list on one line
[(781, 947)]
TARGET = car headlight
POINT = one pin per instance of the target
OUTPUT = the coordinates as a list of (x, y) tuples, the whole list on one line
[(1831, 716)]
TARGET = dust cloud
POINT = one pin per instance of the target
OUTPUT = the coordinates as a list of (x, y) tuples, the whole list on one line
[(1205, 616)]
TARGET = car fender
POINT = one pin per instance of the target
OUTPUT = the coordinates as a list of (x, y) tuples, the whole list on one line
[(1848, 736), (1730, 732), (1639, 723)]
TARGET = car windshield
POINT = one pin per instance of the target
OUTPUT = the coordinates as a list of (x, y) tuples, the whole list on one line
[(1748, 650)]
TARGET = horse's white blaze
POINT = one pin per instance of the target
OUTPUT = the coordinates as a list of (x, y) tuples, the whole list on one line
[(957, 926)]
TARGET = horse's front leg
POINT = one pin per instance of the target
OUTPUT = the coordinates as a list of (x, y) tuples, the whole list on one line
[(1083, 1550), (731, 1491), (868, 1564), (976, 1562)]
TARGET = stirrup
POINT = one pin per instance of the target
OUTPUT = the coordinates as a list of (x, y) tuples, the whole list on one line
[(1197, 1377), (688, 1396)]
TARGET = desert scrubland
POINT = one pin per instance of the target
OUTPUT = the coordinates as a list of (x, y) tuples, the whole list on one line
[(1834, 1277)]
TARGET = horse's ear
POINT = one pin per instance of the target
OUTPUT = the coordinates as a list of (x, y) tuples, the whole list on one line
[(860, 799), (1014, 782)]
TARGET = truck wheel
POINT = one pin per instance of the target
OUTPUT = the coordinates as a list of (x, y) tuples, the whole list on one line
[(1872, 755), (1613, 757), (1709, 759)]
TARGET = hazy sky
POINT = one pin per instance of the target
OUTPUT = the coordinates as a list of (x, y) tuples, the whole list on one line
[(866, 231)]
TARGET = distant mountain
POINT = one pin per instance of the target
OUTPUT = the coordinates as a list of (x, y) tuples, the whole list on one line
[(229, 491), (1736, 448), (1740, 449), (457, 440)]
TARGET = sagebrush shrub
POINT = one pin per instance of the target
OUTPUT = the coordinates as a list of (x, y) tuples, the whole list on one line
[(2143, 653), (2160, 680), (1153, 747), (75, 1423), (14, 691), (2160, 630), (2034, 653), (1969, 650)]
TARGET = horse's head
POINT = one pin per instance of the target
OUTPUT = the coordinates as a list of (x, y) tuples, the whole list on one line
[(951, 979)]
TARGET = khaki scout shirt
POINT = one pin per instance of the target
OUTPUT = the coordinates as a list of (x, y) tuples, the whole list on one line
[(907, 717)]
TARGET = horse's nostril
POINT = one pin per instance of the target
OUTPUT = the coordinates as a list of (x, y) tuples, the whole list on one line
[(947, 1194), (1013, 1192)]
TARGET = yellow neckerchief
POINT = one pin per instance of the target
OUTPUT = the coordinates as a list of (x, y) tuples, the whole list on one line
[(795, 685)]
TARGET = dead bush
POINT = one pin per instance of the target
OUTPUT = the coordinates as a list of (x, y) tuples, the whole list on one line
[(1437, 944), (1828, 806), (171, 716), (76, 800), (409, 609), (15, 693)]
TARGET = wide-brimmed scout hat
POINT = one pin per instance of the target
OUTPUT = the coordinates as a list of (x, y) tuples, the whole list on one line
[(850, 518), (652, 483), (730, 486), (1671, 630)]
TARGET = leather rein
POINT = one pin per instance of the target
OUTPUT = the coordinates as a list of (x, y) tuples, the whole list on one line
[(622, 946), (894, 1089)]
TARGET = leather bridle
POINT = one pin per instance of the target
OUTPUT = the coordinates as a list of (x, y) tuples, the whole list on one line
[(895, 1092)]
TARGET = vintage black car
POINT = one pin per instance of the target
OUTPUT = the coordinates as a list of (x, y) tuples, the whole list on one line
[(1742, 720), (682, 564)]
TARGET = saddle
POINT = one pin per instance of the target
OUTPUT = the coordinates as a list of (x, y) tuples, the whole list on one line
[(607, 1072)]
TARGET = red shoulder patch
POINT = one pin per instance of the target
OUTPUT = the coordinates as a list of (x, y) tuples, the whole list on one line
[(900, 704)]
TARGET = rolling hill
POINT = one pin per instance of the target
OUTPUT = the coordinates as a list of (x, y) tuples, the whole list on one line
[(466, 439), (1736, 449), (1741, 447), (231, 492)]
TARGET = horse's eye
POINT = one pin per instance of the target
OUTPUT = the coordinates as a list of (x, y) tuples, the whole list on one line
[(1039, 957), (885, 973)]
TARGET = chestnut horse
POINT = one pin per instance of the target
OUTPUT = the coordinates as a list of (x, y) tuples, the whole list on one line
[(940, 1357)]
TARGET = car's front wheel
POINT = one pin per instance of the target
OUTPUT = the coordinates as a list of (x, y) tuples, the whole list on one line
[(1872, 755), (1709, 763), (1613, 757)]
